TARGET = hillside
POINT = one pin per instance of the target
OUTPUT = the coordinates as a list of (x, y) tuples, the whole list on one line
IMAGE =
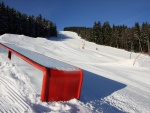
[(115, 80)]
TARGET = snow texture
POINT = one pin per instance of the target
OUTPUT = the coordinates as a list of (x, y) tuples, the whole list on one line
[(41, 59), (115, 80)]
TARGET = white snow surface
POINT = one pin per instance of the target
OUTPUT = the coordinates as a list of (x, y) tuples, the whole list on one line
[(40, 58), (115, 80)]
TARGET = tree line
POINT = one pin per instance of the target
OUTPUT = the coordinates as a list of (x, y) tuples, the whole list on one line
[(136, 38), (12, 21)]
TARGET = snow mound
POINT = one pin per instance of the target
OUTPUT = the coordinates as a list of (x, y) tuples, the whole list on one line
[(68, 34)]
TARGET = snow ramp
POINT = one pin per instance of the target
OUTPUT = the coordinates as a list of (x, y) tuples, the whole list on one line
[(52, 79)]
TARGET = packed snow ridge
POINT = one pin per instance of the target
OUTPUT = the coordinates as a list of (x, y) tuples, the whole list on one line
[(115, 80)]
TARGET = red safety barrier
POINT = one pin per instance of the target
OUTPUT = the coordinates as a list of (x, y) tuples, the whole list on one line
[(57, 85)]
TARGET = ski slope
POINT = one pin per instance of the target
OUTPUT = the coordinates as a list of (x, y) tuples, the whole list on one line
[(115, 81)]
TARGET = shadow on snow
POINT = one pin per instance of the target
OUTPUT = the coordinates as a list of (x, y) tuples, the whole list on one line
[(95, 88), (60, 37)]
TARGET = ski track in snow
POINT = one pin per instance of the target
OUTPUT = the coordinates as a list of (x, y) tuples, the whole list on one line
[(11, 101), (111, 83)]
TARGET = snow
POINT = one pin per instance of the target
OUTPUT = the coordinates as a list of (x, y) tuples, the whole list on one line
[(115, 80), (41, 59)]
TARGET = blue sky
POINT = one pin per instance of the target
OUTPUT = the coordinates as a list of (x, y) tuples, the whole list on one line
[(67, 13)]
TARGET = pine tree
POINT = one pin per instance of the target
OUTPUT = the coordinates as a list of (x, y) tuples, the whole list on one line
[(3, 19), (97, 33), (106, 32), (126, 39), (53, 31), (114, 37), (146, 37), (137, 37)]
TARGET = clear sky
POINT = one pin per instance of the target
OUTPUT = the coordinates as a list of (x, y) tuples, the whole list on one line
[(66, 13)]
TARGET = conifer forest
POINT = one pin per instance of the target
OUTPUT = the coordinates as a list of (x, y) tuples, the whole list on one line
[(136, 38), (12, 21)]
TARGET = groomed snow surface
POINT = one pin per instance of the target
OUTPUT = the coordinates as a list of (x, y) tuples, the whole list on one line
[(115, 81)]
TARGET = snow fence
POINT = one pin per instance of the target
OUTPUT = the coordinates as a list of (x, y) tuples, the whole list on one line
[(53, 79)]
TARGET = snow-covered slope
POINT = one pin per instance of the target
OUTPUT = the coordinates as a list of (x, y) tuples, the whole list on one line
[(115, 80)]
